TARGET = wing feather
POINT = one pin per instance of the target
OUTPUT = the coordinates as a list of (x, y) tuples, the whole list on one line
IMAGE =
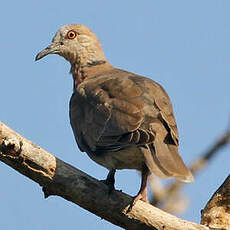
[(118, 109)]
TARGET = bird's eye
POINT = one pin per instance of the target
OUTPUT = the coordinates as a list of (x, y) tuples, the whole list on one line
[(71, 34)]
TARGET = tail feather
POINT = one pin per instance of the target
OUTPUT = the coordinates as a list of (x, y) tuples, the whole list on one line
[(170, 160), (164, 161), (152, 165)]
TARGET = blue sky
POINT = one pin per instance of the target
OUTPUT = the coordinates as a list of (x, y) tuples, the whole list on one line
[(183, 45)]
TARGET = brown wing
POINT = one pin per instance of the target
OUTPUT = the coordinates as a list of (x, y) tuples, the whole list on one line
[(107, 112), (117, 109), (163, 124)]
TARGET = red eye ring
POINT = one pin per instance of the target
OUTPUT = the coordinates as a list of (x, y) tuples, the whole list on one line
[(71, 34)]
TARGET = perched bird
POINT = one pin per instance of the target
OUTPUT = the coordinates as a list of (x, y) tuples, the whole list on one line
[(120, 119)]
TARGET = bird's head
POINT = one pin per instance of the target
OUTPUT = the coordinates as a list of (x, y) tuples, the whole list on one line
[(77, 44)]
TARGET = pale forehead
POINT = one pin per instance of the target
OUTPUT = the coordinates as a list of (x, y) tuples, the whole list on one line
[(80, 29)]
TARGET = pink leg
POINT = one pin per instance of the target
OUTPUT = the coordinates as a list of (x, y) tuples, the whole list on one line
[(142, 194)]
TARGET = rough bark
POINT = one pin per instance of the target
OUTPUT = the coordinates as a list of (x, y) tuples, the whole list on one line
[(216, 213), (59, 178)]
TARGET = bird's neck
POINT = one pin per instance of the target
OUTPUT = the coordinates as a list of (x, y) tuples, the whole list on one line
[(83, 72)]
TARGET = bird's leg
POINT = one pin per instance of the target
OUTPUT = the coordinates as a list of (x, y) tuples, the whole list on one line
[(110, 180), (142, 194)]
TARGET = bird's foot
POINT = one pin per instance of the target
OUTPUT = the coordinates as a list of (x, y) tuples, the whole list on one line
[(140, 196), (110, 185), (110, 180)]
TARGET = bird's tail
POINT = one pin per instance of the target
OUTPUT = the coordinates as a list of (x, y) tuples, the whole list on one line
[(164, 161)]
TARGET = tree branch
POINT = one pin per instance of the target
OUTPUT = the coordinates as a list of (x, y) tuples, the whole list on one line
[(216, 213), (59, 178)]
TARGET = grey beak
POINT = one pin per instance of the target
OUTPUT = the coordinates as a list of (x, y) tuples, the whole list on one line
[(51, 49)]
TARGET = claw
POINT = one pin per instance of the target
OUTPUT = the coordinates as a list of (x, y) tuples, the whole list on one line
[(110, 180)]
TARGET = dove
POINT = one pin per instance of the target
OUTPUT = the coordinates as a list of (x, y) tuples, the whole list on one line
[(121, 120)]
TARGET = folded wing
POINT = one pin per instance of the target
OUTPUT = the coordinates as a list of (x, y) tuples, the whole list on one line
[(118, 109)]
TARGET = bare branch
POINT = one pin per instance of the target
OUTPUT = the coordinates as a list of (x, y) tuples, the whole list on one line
[(216, 213), (59, 178), (221, 142)]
